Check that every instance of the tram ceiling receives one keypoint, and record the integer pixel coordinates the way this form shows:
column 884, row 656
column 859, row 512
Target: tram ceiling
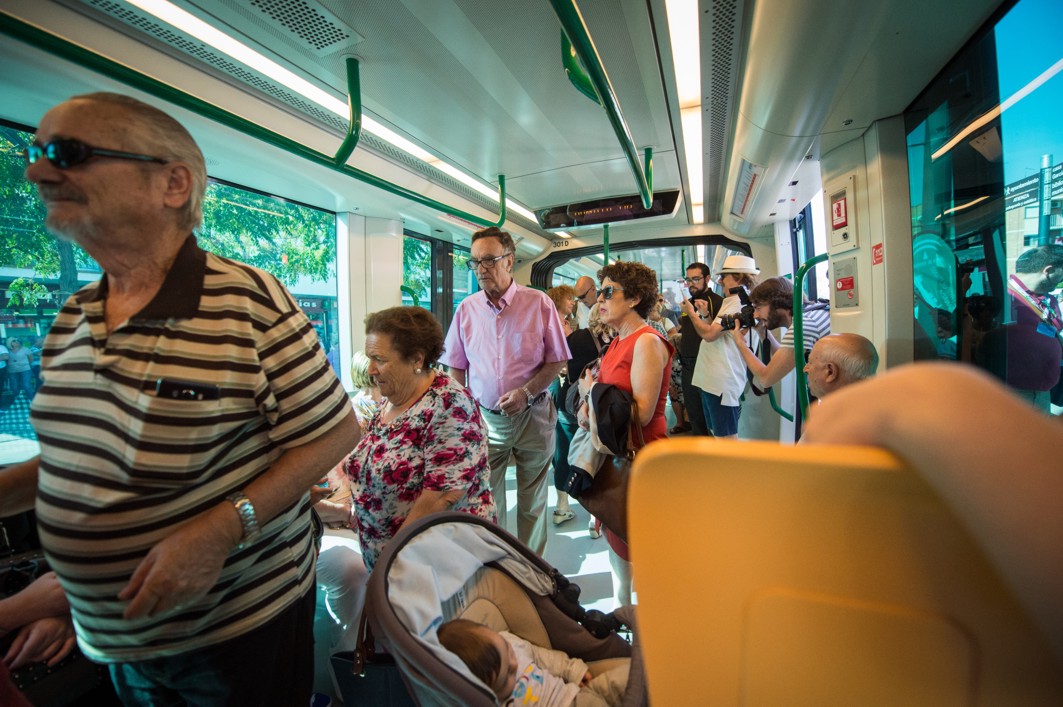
column 480, row 84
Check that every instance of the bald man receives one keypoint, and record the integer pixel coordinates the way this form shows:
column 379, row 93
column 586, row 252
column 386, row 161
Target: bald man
column 838, row 360
column 585, row 299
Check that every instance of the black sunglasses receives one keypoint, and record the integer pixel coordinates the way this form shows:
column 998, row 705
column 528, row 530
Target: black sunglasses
column 607, row 292
column 68, row 153
column 579, row 297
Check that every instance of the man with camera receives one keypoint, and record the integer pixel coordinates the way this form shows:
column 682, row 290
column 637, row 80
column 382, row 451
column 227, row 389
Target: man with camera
column 720, row 371
column 698, row 282
column 773, row 307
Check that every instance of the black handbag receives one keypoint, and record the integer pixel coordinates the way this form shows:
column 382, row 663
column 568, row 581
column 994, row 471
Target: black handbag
column 366, row 677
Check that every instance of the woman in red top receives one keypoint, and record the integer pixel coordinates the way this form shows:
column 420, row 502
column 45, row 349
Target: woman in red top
column 639, row 360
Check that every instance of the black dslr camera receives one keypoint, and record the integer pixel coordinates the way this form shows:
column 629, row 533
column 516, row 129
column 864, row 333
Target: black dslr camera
column 744, row 319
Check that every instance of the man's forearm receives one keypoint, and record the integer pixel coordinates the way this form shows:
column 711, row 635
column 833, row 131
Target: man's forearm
column 544, row 377
column 292, row 474
column 18, row 487
column 459, row 376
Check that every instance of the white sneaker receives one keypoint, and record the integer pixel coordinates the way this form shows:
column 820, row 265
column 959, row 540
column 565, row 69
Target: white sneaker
column 593, row 530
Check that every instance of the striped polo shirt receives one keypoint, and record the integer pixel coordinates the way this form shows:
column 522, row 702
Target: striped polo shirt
column 815, row 324
column 122, row 464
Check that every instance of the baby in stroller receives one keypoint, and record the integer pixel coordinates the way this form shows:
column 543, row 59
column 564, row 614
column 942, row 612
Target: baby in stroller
column 524, row 673
column 456, row 566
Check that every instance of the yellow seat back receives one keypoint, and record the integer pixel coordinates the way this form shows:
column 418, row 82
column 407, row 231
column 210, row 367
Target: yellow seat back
column 810, row 575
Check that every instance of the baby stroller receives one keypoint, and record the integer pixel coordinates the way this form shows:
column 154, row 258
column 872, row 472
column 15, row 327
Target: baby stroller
column 455, row 565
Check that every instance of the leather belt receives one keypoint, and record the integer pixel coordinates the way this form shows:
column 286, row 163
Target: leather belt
column 534, row 401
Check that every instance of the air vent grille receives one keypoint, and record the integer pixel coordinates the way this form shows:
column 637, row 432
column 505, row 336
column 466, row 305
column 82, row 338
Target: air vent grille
column 724, row 21
column 203, row 53
column 305, row 22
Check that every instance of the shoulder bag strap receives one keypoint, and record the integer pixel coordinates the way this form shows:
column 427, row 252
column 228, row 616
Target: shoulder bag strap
column 363, row 649
column 635, row 432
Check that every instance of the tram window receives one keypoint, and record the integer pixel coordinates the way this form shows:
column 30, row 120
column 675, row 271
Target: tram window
column 293, row 242
column 464, row 280
column 986, row 184
column 416, row 272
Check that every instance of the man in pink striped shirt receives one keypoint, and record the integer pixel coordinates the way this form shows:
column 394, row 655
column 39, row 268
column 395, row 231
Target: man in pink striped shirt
column 507, row 344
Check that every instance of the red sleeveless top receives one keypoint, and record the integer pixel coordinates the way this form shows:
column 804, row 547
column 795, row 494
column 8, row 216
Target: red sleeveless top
column 616, row 370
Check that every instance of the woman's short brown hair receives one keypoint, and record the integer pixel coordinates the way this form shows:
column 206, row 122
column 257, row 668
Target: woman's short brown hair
column 413, row 330
column 638, row 281
column 561, row 295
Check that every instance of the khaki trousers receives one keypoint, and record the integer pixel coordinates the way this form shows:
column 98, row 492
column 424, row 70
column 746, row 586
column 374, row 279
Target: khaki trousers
column 529, row 437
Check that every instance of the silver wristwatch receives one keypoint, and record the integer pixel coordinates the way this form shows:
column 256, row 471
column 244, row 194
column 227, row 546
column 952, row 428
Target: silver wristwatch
column 248, row 519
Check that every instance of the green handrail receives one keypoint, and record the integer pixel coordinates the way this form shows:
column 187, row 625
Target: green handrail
column 575, row 71
column 71, row 52
column 775, row 405
column 605, row 244
column 573, row 25
column 412, row 293
column 799, row 331
column 354, row 104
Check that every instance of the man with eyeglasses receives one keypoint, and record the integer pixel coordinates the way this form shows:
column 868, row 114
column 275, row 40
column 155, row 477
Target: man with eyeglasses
column 507, row 344
column 699, row 285
column 186, row 410
column 585, row 299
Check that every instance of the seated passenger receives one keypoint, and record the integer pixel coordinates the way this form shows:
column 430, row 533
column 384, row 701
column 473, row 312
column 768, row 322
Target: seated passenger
column 341, row 574
column 838, row 360
column 425, row 449
column 773, row 301
column 40, row 615
column 991, row 456
column 520, row 672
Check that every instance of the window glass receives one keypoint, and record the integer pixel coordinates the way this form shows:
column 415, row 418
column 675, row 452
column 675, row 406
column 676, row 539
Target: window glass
column 464, row 280
column 986, row 176
column 38, row 273
column 294, row 243
column 416, row 272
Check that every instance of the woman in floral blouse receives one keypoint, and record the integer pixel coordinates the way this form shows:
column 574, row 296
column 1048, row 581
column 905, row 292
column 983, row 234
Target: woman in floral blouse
column 425, row 449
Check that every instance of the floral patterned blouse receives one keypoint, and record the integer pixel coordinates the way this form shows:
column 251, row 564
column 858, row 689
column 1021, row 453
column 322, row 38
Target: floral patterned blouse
column 438, row 444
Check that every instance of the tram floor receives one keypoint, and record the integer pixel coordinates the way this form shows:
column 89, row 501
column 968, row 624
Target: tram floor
column 570, row 548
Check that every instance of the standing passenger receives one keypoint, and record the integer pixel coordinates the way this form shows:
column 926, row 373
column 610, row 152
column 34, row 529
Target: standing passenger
column 564, row 299
column 585, row 299
column 720, row 372
column 186, row 410
column 698, row 283
column 507, row 345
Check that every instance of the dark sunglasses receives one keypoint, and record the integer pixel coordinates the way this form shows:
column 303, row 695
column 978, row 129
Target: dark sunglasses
column 607, row 292
column 68, row 153
column 579, row 297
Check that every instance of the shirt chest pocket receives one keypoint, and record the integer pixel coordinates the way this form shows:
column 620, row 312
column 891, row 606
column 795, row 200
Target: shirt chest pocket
column 528, row 346
column 176, row 440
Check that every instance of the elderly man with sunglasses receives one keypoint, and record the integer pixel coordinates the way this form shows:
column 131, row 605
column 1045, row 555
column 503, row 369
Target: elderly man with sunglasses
column 186, row 409
column 585, row 300
column 507, row 344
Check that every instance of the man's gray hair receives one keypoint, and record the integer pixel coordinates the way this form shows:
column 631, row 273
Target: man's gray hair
column 854, row 355
column 165, row 138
